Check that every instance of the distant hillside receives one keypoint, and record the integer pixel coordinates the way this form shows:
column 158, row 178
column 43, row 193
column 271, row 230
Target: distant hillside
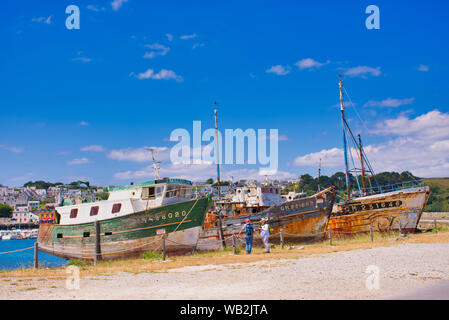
column 439, row 194
column 441, row 182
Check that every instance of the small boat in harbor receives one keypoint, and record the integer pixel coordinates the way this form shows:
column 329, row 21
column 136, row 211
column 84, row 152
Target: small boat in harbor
column 133, row 220
column 383, row 208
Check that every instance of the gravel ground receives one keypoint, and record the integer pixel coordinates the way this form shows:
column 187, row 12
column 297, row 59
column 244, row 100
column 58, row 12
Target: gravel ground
column 340, row 275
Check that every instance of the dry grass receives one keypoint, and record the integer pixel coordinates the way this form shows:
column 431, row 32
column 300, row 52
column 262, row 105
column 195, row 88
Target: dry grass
column 227, row 257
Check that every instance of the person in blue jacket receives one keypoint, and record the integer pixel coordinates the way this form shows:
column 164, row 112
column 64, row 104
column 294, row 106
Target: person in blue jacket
column 249, row 231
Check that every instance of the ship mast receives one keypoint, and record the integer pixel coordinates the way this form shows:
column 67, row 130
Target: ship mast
column 155, row 163
column 361, row 161
column 216, row 150
column 319, row 175
column 345, row 149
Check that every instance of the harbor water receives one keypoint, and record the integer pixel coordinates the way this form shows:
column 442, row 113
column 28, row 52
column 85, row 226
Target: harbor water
column 25, row 259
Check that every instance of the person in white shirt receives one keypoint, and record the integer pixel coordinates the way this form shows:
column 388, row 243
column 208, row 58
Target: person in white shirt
column 265, row 234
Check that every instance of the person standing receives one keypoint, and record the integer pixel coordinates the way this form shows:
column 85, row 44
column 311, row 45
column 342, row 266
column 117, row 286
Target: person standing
column 249, row 231
column 265, row 234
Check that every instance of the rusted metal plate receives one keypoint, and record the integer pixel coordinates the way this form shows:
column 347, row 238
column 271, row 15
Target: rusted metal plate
column 384, row 212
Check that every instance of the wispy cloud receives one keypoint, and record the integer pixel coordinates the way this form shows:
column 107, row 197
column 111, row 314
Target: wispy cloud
column 391, row 103
column 188, row 36
column 96, row 148
column 409, row 143
column 95, row 8
column 138, row 154
column 78, row 161
column 363, row 71
column 161, row 75
column 157, row 50
column 279, row 70
column 117, row 4
column 83, row 123
column 423, row 68
column 42, row 20
column 11, row 149
column 169, row 36
column 81, row 58
column 197, row 45
column 309, row 63
column 22, row 178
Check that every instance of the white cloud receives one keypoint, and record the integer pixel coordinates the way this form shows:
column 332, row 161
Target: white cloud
column 423, row 68
column 331, row 158
column 419, row 145
column 200, row 172
column 309, row 63
column 197, row 45
column 42, row 20
column 11, row 149
column 95, row 148
column 362, row 71
column 157, row 50
column 188, row 36
column 279, row 70
column 161, row 75
column 117, row 4
column 95, row 8
column 139, row 154
column 78, row 161
column 83, row 123
column 169, row 37
column 392, row 103
column 429, row 126
column 25, row 177
column 82, row 59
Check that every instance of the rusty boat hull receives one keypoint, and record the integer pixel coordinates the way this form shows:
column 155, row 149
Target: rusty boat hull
column 130, row 235
column 391, row 211
column 301, row 221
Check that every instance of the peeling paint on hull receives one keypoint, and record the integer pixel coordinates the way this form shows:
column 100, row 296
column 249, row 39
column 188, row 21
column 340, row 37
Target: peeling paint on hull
column 302, row 220
column 130, row 235
column 385, row 212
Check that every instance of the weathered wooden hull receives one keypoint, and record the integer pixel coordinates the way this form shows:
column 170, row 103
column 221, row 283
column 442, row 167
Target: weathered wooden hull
column 301, row 220
column 129, row 235
column 384, row 212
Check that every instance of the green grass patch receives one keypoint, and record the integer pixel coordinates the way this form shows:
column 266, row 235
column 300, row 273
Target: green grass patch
column 78, row 263
column 152, row 255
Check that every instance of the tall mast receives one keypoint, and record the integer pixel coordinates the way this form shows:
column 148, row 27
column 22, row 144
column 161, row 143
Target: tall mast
column 155, row 163
column 361, row 161
column 345, row 149
column 319, row 175
column 217, row 152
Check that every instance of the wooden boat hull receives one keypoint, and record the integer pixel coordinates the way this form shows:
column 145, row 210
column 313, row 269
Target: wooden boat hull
column 129, row 235
column 390, row 211
column 302, row 220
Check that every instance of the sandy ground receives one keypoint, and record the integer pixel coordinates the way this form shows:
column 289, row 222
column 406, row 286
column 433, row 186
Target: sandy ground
column 339, row 275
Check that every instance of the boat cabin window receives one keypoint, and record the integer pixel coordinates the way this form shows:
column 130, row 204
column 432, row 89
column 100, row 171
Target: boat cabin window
column 94, row 210
column 172, row 191
column 148, row 193
column 73, row 213
column 116, row 207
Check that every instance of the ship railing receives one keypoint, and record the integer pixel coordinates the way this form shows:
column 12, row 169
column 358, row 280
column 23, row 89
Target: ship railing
column 392, row 187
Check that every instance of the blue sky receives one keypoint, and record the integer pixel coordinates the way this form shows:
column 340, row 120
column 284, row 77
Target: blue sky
column 81, row 104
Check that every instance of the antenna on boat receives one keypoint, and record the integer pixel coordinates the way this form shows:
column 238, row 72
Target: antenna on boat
column 155, row 163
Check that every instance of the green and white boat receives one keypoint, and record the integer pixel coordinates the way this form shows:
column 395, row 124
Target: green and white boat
column 133, row 220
